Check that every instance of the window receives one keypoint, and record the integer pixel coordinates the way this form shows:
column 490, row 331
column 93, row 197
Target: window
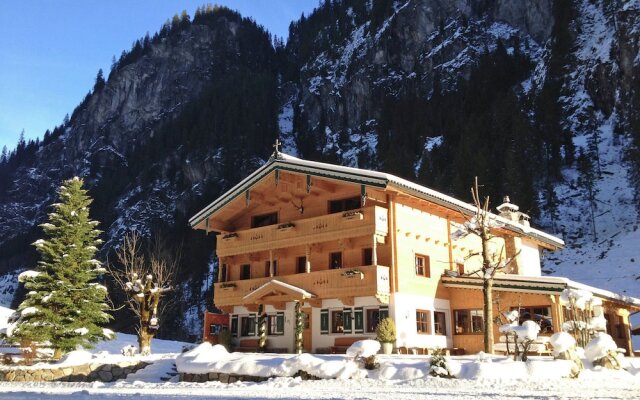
column 335, row 260
column 248, row 326
column 245, row 271
column 367, row 256
column 423, row 323
column 468, row 321
column 214, row 329
column 275, row 324
column 301, row 265
column 234, row 325
column 223, row 273
column 267, row 268
column 460, row 267
column 422, row 266
column 373, row 318
column 539, row 314
column 264, row 220
column 439, row 323
column 337, row 321
column 351, row 203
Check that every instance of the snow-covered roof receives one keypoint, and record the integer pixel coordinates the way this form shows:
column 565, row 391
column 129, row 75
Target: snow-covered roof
column 285, row 162
column 545, row 284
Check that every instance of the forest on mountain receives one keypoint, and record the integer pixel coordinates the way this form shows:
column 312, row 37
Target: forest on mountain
column 347, row 71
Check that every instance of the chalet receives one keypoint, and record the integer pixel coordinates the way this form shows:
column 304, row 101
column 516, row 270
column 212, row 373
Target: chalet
column 349, row 247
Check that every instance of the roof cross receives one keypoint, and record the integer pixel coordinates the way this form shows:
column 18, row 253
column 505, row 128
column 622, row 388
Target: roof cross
column 277, row 145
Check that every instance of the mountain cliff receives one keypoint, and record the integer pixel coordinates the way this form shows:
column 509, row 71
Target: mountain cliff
column 539, row 99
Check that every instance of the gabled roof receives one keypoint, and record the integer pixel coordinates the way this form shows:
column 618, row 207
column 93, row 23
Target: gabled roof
column 276, row 286
column 541, row 284
column 285, row 162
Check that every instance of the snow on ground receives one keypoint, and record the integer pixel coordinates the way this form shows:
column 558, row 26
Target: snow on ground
column 592, row 384
column 401, row 377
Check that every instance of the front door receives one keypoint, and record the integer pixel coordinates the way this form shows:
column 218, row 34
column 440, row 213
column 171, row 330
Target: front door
column 306, row 331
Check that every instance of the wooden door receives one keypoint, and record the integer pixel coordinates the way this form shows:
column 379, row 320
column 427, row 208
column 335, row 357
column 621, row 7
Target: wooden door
column 306, row 332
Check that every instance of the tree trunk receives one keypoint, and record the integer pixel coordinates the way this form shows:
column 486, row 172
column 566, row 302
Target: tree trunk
column 487, row 291
column 144, row 340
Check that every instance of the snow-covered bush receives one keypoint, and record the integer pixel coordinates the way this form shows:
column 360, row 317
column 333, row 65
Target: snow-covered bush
column 602, row 350
column 365, row 351
column 439, row 365
column 564, row 348
column 129, row 350
column 586, row 316
column 523, row 336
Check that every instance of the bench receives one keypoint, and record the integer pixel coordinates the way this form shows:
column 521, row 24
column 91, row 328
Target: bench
column 540, row 346
column 341, row 344
column 253, row 346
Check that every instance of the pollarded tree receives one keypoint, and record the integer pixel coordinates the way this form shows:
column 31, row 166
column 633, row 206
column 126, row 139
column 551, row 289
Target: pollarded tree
column 64, row 304
column 145, row 279
column 483, row 225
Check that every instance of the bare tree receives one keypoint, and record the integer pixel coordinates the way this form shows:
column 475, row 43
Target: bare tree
column 144, row 279
column 482, row 224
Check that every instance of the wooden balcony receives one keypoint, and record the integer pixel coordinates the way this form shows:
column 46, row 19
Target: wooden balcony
column 345, row 284
column 355, row 223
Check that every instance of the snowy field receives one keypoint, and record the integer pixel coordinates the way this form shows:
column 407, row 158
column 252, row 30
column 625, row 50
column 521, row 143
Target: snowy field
column 493, row 379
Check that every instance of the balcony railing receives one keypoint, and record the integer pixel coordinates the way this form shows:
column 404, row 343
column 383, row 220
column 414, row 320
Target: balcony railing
column 371, row 280
column 354, row 223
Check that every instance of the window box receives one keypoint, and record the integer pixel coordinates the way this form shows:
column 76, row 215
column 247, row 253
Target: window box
column 289, row 226
column 352, row 215
column 353, row 273
column 230, row 236
column 228, row 286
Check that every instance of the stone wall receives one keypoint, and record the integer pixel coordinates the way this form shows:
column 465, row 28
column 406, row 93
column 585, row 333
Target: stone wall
column 220, row 377
column 231, row 378
column 78, row 373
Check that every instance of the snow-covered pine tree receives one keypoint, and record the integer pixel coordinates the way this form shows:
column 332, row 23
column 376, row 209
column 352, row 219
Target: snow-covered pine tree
column 64, row 304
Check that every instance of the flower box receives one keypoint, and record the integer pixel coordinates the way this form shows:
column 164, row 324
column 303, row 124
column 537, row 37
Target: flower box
column 352, row 215
column 230, row 236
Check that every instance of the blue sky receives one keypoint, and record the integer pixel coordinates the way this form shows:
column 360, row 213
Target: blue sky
column 51, row 50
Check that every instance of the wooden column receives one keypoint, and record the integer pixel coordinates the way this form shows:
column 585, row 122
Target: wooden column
column 220, row 262
column 374, row 251
column 307, row 256
column 271, row 263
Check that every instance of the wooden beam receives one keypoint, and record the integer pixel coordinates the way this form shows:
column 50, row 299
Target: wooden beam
column 280, row 306
column 252, row 307
column 315, row 303
column 348, row 301
column 226, row 309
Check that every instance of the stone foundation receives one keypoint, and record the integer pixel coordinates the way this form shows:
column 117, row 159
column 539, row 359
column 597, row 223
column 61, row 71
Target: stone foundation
column 76, row 373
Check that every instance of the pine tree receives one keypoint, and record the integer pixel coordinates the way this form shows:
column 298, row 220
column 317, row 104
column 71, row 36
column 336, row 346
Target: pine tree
column 65, row 305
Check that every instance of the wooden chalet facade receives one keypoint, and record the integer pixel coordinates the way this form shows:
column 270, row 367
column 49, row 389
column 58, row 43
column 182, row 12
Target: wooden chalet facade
column 353, row 246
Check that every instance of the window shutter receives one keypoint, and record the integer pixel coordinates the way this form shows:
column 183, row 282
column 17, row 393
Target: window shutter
column 384, row 312
column 358, row 320
column 324, row 321
column 427, row 267
column 234, row 325
column 280, row 323
column 346, row 315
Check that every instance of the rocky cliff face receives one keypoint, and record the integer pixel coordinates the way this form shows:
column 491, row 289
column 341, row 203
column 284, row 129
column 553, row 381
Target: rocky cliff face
column 370, row 84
